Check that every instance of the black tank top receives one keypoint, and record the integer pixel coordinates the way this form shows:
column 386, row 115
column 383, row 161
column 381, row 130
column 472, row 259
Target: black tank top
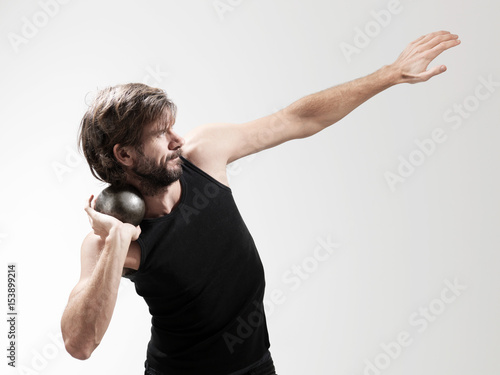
column 203, row 280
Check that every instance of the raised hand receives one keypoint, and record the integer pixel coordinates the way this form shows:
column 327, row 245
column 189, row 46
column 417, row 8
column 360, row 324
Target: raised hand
column 103, row 224
column 413, row 62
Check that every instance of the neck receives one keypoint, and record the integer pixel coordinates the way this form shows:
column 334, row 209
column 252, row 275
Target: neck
column 163, row 203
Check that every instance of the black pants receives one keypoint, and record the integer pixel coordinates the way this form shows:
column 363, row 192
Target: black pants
column 265, row 366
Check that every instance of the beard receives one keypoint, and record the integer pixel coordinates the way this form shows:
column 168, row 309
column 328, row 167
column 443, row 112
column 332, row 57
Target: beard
column 156, row 178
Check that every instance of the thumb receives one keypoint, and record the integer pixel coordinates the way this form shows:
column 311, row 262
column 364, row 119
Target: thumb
column 432, row 72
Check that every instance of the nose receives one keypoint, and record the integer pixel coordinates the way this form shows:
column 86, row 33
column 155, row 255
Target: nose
column 176, row 141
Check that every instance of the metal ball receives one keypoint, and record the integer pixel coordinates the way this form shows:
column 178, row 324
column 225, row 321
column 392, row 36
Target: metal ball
column 125, row 203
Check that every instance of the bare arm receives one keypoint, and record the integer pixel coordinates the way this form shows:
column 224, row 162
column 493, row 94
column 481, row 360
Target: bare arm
column 92, row 301
column 222, row 143
column 326, row 107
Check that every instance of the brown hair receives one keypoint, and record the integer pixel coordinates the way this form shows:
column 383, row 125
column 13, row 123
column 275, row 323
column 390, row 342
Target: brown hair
column 118, row 116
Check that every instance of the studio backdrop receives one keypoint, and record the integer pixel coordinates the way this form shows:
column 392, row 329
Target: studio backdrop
column 379, row 235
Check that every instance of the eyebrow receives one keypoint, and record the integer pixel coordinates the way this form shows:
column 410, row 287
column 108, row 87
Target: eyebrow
column 161, row 128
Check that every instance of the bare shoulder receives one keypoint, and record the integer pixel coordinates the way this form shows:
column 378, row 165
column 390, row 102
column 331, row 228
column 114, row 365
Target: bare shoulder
column 212, row 146
column 204, row 148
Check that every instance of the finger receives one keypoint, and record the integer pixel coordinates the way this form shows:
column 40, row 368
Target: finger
column 436, row 41
column 90, row 212
column 89, row 201
column 89, row 209
column 87, row 204
column 432, row 72
column 431, row 36
column 441, row 47
column 418, row 40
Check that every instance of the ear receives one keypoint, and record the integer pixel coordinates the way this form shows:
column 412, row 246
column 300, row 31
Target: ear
column 124, row 155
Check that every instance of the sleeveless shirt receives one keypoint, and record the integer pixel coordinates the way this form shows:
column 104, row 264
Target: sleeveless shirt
column 203, row 281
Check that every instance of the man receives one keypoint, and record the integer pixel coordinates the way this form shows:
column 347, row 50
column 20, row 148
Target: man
column 192, row 258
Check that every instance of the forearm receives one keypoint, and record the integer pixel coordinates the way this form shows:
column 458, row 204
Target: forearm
column 90, row 308
column 326, row 107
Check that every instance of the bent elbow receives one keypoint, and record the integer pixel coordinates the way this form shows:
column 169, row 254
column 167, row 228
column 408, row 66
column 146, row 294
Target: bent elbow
column 78, row 351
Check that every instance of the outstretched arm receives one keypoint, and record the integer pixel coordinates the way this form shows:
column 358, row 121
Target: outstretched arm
column 223, row 143
column 329, row 106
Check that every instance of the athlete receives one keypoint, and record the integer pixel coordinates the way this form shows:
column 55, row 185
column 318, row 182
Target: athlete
column 192, row 257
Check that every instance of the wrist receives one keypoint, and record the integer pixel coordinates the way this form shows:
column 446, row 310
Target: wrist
column 391, row 75
column 119, row 233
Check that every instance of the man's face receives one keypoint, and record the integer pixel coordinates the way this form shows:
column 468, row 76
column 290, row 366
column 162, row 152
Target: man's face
column 157, row 163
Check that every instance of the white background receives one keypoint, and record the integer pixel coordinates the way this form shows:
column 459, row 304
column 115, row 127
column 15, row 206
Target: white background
column 397, row 249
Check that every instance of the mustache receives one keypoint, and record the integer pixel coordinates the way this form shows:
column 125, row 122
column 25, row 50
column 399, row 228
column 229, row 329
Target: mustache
column 176, row 154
